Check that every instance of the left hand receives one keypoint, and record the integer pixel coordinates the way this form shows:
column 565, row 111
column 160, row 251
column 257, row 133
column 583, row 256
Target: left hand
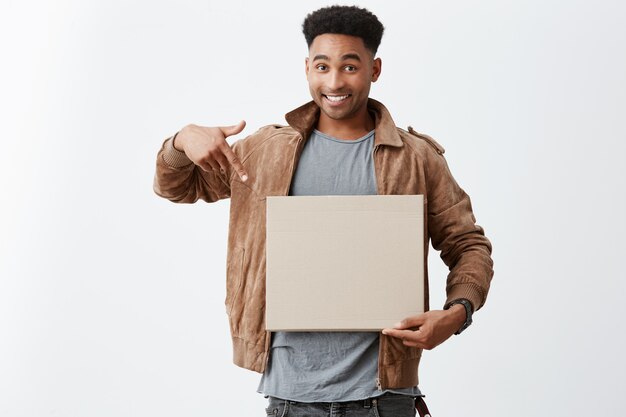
column 430, row 329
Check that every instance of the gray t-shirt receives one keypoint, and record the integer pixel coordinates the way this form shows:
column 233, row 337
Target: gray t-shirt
column 328, row 366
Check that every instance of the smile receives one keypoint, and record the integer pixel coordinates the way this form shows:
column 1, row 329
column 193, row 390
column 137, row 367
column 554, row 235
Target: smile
column 336, row 99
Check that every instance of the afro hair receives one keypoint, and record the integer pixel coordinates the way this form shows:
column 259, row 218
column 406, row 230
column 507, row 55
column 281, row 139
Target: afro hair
column 344, row 20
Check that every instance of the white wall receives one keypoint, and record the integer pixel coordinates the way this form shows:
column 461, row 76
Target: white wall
column 111, row 299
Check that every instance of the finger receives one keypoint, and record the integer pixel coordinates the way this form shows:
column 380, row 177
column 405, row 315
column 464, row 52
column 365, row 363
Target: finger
column 213, row 165
column 413, row 321
column 222, row 161
column 408, row 337
column 400, row 334
column 205, row 166
column 235, row 162
column 234, row 129
column 412, row 344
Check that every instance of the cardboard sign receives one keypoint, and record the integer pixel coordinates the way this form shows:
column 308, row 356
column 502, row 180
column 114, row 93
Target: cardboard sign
column 344, row 263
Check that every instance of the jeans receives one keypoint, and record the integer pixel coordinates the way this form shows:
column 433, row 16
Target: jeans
column 387, row 405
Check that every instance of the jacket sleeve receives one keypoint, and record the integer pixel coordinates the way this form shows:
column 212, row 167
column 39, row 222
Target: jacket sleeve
column 453, row 231
column 181, row 181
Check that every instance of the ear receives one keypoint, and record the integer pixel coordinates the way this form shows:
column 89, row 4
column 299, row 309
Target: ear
column 306, row 67
column 377, row 67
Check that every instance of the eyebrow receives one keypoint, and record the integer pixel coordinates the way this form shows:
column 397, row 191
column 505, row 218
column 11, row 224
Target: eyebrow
column 345, row 57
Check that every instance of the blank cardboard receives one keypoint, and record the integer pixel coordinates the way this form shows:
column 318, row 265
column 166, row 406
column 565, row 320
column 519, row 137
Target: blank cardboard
column 343, row 263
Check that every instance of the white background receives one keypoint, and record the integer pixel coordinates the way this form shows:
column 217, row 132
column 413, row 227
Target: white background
column 111, row 299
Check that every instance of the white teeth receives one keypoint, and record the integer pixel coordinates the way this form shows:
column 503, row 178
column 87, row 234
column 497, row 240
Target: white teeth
column 337, row 98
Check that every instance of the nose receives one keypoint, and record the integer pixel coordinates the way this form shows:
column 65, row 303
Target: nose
column 335, row 81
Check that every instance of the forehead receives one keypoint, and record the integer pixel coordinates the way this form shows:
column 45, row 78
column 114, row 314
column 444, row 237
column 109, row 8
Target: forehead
column 335, row 46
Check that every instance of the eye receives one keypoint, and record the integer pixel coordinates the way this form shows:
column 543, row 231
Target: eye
column 321, row 67
column 350, row 68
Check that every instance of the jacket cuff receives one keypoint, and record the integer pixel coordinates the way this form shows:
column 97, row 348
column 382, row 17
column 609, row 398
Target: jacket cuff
column 471, row 292
column 172, row 156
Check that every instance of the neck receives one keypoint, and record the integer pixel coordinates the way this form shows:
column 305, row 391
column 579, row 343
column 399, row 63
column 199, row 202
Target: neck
column 347, row 129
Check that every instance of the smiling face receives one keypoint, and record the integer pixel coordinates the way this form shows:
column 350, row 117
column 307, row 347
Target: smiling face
column 340, row 70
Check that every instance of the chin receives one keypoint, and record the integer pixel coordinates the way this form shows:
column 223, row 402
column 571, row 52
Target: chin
column 336, row 115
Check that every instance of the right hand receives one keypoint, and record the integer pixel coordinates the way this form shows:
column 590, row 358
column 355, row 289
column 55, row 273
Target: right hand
column 208, row 149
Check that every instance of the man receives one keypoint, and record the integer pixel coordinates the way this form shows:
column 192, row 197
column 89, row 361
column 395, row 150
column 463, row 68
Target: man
column 342, row 142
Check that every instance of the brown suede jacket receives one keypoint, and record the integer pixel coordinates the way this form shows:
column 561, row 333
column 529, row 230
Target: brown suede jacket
column 405, row 163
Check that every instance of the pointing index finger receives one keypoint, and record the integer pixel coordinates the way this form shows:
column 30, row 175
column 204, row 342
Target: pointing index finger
column 235, row 163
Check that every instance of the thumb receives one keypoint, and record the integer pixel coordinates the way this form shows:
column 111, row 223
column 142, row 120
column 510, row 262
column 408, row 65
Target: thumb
column 234, row 129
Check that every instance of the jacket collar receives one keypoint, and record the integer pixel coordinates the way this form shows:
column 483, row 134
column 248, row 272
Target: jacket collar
column 304, row 118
